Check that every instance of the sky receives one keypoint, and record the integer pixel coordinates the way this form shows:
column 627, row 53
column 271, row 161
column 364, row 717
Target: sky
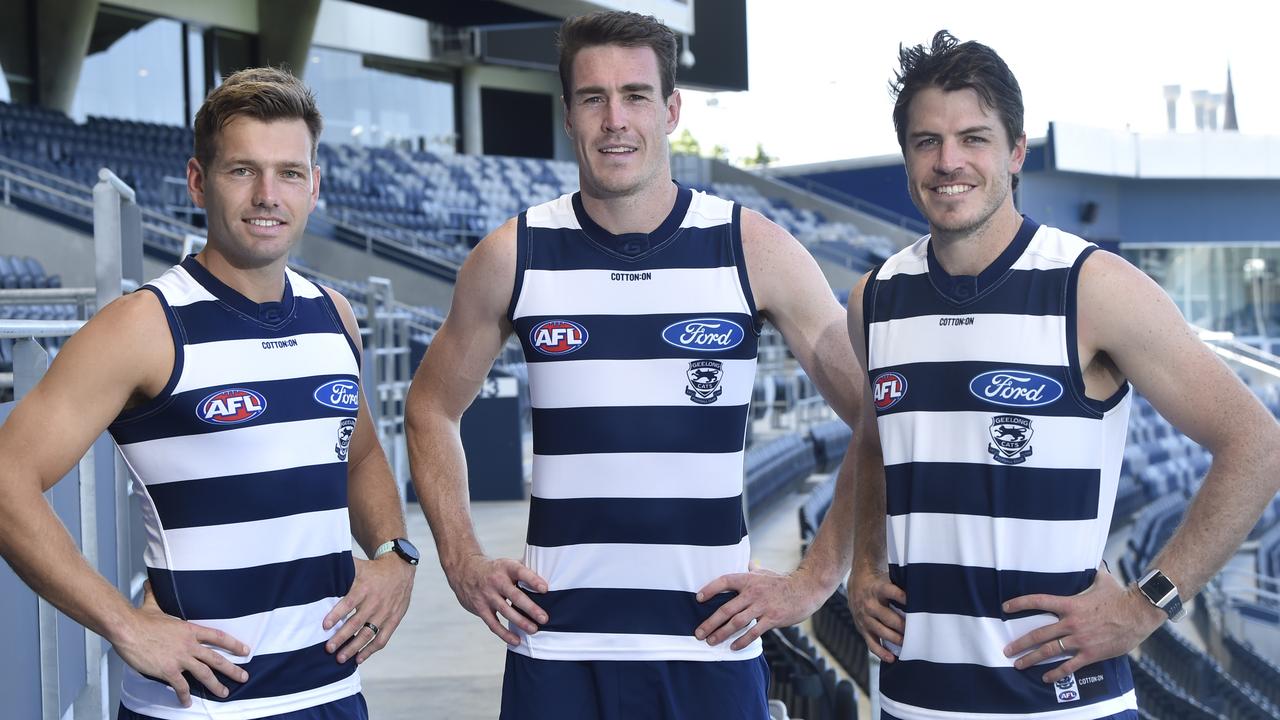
column 819, row 69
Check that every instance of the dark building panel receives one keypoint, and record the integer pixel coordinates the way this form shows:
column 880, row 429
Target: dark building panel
column 517, row 123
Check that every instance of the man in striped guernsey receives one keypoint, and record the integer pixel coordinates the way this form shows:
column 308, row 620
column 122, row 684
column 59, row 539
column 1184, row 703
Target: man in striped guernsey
column 231, row 385
column 638, row 303
column 1000, row 354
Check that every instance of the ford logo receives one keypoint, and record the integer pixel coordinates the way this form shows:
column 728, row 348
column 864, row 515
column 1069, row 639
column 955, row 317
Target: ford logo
column 339, row 395
column 704, row 334
column 1015, row 388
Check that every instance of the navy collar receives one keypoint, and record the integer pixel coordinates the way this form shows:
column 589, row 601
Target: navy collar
column 634, row 246
column 962, row 289
column 271, row 314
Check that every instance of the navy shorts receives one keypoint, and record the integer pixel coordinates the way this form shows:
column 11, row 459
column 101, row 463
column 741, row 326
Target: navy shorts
column 348, row 708
column 634, row 690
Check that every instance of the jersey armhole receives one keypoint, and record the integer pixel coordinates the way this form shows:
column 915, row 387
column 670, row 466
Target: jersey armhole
column 336, row 316
column 1074, row 370
column 740, row 261
column 523, row 249
column 178, row 335
column 868, row 303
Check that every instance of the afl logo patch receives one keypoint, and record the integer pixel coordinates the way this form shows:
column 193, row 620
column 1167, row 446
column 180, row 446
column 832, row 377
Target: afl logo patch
column 888, row 389
column 557, row 337
column 231, row 406
column 339, row 395
column 1015, row 388
column 704, row 334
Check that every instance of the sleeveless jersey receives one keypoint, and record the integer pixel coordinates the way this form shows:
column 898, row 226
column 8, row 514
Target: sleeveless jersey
column 1000, row 475
column 641, row 351
column 240, row 468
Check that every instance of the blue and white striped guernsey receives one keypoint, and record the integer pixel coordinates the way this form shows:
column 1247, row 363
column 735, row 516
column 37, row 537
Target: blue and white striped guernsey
column 1000, row 474
column 240, row 465
column 642, row 353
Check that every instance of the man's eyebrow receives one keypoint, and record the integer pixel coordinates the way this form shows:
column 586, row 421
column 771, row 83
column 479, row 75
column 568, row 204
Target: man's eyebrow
column 599, row 90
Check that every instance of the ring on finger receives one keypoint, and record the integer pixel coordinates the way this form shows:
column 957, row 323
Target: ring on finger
column 372, row 627
column 1063, row 647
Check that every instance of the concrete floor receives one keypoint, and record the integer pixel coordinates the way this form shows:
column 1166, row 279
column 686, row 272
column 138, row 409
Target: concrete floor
column 444, row 663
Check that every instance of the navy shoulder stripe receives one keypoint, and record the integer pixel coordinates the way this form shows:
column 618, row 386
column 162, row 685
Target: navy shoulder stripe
column 570, row 249
column 1025, row 292
column 212, row 321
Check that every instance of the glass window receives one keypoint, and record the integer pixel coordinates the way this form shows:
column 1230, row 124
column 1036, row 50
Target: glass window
column 374, row 107
column 138, row 77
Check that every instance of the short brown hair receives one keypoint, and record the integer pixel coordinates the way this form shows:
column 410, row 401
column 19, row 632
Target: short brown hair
column 623, row 28
column 264, row 94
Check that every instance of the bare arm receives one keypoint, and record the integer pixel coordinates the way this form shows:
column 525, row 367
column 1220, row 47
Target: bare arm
column 122, row 355
column 870, row 590
column 452, row 373
column 382, row 588
column 1130, row 328
column 791, row 292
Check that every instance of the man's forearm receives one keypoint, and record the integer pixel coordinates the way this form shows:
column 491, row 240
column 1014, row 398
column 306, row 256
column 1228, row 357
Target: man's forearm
column 831, row 552
column 439, row 467
column 374, row 501
column 869, row 532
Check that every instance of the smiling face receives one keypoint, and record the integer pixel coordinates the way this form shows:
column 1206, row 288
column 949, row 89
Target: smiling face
column 959, row 161
column 619, row 121
column 257, row 190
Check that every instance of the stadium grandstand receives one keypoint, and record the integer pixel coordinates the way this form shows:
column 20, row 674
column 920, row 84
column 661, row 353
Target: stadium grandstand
column 419, row 164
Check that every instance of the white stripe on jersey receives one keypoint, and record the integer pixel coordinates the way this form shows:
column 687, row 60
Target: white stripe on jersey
column 707, row 211
column 550, row 645
column 657, row 382
column 313, row 355
column 292, row 628
column 686, row 568
column 187, row 457
column 963, row 437
column 966, row 640
column 1039, row 340
column 553, row 215
column 180, row 289
column 672, row 290
column 637, row 475
column 157, row 700
column 1102, row 708
column 259, row 542
column 1061, row 545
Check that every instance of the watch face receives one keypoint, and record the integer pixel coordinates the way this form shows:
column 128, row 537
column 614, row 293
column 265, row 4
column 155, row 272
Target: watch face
column 406, row 550
column 1157, row 587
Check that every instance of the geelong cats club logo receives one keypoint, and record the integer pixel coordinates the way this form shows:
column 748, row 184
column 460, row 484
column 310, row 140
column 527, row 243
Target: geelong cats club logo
column 704, row 381
column 345, row 430
column 1010, row 439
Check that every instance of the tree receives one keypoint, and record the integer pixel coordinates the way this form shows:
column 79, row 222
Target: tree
column 761, row 159
column 686, row 144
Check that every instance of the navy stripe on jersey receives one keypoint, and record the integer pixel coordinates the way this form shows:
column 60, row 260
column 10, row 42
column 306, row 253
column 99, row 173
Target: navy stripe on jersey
column 278, row 674
column 977, row 591
column 915, row 296
column 658, row 429
column 555, row 249
column 636, row 337
column 202, row 594
column 304, row 407
column 245, row 498
column 985, row 690
column 1010, row 491
column 629, row 247
column 625, row 610
column 214, row 322
column 655, row 521
column 268, row 315
column 947, row 387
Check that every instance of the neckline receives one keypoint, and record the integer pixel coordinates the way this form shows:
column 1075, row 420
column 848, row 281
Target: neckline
column 962, row 289
column 634, row 246
column 270, row 314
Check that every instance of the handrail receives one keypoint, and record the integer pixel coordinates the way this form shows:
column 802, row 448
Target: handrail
column 47, row 295
column 38, row 328
column 1225, row 344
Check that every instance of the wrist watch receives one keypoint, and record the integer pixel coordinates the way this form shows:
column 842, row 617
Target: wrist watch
column 1161, row 592
column 401, row 547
